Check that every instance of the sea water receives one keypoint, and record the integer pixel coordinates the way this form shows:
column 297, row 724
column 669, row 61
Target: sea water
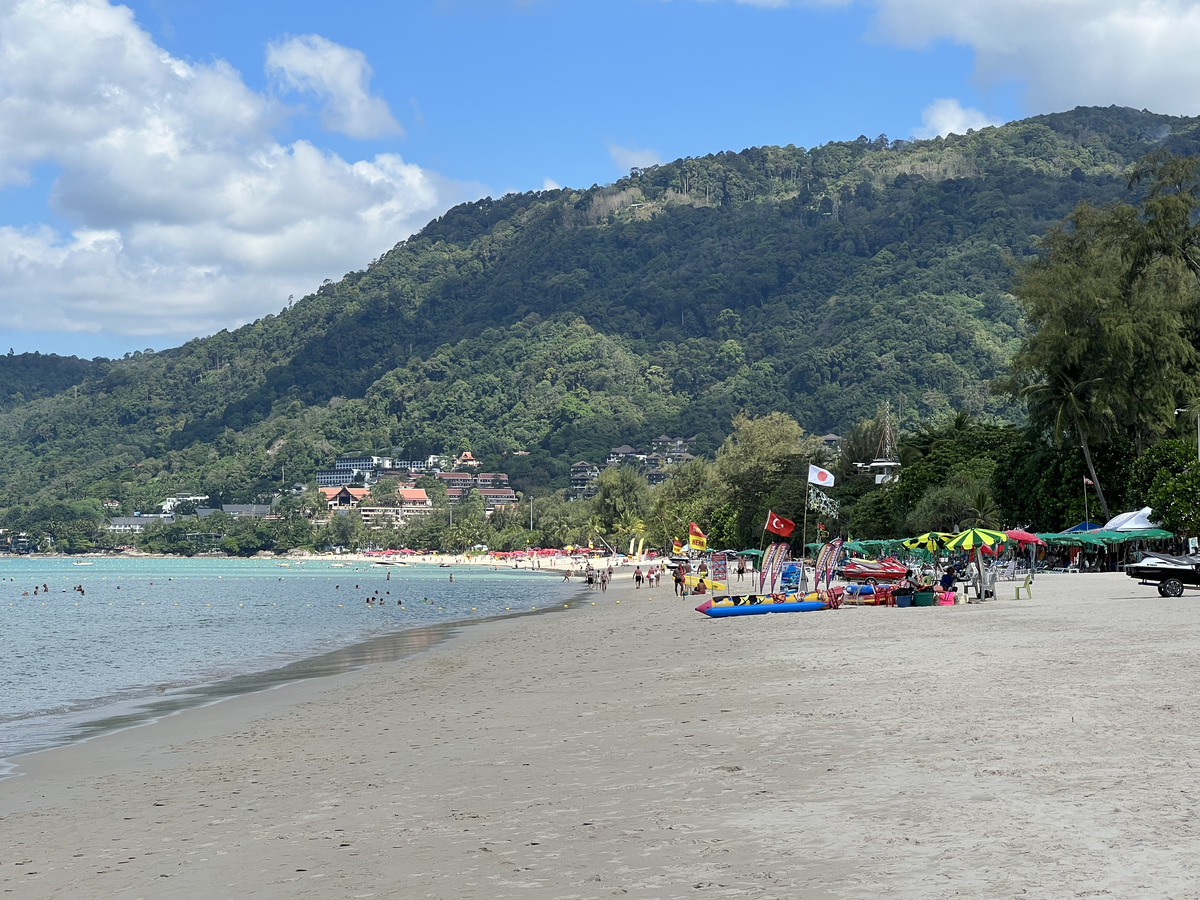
column 146, row 637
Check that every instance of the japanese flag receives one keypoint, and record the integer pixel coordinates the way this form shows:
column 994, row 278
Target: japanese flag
column 817, row 475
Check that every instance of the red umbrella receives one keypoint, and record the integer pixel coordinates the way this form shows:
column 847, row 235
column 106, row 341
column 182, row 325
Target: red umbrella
column 1024, row 537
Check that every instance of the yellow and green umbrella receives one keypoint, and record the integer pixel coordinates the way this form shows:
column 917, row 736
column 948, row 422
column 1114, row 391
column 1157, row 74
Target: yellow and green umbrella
column 928, row 544
column 930, row 541
column 976, row 539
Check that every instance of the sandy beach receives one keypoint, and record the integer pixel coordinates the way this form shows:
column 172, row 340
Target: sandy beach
column 1040, row 747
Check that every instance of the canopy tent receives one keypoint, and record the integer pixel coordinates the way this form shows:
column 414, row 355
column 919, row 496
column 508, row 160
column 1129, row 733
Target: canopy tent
column 1136, row 520
column 1076, row 539
column 881, row 546
column 1117, row 536
column 1082, row 526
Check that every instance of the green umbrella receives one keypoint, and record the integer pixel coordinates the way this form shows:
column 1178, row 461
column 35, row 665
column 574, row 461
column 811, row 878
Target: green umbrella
column 976, row 539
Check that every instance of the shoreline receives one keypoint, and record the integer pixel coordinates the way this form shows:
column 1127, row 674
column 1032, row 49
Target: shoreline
column 89, row 722
column 1015, row 746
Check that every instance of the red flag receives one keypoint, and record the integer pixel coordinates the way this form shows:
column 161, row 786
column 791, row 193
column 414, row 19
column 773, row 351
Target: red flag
column 779, row 525
column 1088, row 481
column 676, row 545
column 696, row 538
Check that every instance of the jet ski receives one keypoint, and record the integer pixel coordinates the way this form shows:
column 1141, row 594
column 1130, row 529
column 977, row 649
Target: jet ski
column 1169, row 573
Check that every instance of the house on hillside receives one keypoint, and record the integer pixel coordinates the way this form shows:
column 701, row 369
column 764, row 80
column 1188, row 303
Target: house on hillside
column 414, row 502
column 247, row 510
column 349, row 468
column 461, row 480
column 343, row 497
column 467, row 461
column 495, row 497
column 136, row 524
column 168, row 505
column 623, row 455
column 583, row 479
column 665, row 445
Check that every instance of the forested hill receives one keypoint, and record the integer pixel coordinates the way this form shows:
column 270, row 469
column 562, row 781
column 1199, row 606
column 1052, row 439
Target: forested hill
column 817, row 282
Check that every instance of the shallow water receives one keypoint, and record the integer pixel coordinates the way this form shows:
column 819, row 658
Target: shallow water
column 149, row 636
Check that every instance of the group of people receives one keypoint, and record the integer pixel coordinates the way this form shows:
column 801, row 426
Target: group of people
column 652, row 577
column 596, row 578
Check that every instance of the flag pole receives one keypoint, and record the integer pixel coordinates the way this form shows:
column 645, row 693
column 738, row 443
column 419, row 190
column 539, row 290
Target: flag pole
column 1087, row 521
column 804, row 544
column 804, row 528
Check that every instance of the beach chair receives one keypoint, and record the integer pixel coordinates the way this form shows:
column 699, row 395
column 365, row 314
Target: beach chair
column 1027, row 587
column 1009, row 571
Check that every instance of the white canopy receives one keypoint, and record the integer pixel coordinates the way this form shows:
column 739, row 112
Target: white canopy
column 1138, row 520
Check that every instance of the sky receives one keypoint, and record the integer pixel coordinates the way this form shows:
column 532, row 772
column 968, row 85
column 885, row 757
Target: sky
column 170, row 168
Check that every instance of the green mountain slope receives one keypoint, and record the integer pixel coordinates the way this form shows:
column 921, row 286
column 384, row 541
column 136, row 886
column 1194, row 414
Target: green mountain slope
column 816, row 282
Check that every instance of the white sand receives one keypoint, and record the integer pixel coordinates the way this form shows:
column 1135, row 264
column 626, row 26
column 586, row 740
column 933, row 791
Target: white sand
column 1036, row 748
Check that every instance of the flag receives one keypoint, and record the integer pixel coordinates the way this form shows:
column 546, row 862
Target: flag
column 696, row 538
column 676, row 545
column 779, row 525
column 822, row 502
column 817, row 475
column 1087, row 481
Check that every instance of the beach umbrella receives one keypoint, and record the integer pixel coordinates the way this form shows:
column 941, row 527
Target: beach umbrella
column 975, row 539
column 930, row 542
column 1026, row 539
column 1023, row 537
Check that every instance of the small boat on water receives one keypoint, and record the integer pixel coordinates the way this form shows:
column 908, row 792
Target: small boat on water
column 81, row 562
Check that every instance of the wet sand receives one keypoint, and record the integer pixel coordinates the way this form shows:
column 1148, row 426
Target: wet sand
column 1040, row 747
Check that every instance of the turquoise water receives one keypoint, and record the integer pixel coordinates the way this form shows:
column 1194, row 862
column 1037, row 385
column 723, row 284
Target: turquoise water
column 148, row 636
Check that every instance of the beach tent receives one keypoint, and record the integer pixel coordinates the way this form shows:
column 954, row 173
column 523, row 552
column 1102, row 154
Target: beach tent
column 1137, row 520
column 1116, row 536
column 1082, row 526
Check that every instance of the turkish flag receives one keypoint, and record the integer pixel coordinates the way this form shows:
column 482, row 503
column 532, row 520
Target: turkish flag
column 779, row 525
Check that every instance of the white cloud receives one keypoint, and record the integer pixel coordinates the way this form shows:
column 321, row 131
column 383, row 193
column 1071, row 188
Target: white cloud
column 549, row 184
column 339, row 76
column 948, row 116
column 1067, row 53
column 186, row 216
column 627, row 158
column 1063, row 53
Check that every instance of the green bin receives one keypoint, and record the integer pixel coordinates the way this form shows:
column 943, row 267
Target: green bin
column 924, row 599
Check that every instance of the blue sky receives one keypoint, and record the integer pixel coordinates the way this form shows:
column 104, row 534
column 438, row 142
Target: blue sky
column 170, row 168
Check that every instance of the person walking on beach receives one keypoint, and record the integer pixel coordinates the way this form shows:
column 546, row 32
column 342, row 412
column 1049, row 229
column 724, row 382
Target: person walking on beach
column 603, row 581
column 637, row 577
column 680, row 590
column 741, row 568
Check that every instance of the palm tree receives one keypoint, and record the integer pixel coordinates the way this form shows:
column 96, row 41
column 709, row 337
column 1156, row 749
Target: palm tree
column 1070, row 406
